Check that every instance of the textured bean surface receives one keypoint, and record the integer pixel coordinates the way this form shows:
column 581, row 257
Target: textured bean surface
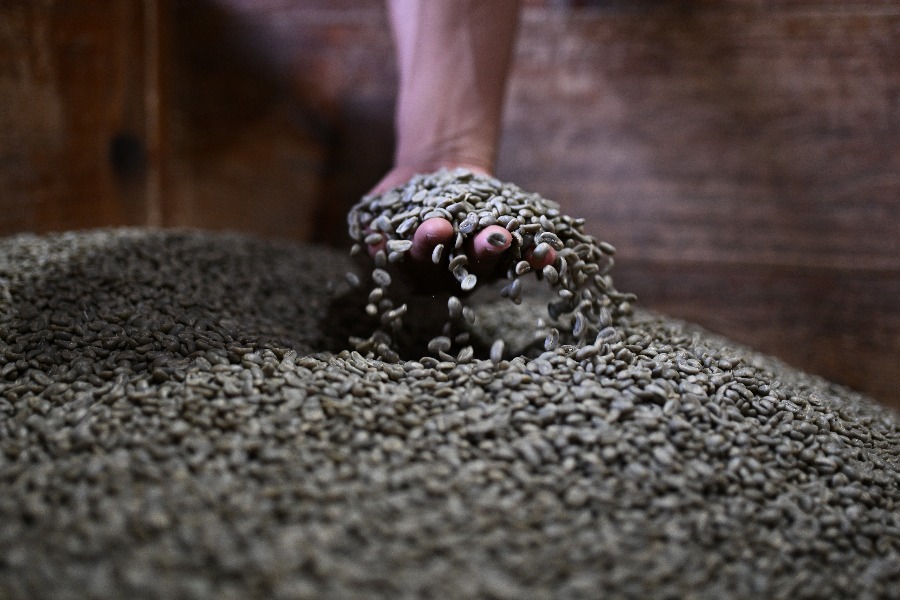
column 179, row 419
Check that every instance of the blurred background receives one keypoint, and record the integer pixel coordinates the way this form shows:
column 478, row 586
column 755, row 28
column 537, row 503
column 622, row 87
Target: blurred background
column 742, row 155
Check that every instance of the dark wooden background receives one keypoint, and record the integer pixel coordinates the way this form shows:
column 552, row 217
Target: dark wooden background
column 743, row 155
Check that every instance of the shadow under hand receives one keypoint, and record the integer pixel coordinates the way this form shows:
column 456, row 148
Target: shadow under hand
column 522, row 327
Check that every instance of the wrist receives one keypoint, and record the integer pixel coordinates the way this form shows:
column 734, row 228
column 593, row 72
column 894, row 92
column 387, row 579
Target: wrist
column 430, row 165
column 401, row 173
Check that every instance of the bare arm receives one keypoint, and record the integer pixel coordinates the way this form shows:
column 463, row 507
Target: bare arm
column 453, row 57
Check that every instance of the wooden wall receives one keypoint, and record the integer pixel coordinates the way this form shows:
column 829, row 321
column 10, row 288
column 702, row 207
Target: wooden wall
column 80, row 114
column 743, row 155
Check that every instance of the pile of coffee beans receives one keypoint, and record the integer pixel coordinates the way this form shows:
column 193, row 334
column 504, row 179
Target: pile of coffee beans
column 586, row 300
column 181, row 417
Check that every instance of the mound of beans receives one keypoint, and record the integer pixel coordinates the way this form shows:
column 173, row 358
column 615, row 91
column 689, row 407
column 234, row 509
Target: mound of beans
column 181, row 416
column 586, row 301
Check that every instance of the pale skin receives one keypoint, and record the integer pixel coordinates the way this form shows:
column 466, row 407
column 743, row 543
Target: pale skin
column 453, row 57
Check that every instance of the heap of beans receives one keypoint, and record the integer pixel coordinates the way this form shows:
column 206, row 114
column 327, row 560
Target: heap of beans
column 586, row 301
column 180, row 418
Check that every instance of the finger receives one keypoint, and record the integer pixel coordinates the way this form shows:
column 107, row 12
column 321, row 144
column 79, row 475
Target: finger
column 540, row 256
column 428, row 235
column 486, row 248
column 375, row 247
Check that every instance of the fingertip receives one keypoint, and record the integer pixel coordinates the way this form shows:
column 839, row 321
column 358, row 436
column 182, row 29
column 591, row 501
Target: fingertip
column 491, row 241
column 434, row 230
column 374, row 248
column 429, row 234
column 486, row 247
column 539, row 262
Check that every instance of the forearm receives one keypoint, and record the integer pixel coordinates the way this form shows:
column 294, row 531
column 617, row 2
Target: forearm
column 453, row 58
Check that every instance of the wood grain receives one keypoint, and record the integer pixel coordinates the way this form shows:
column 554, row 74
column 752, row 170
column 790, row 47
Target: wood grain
column 75, row 85
column 275, row 126
column 744, row 160
column 764, row 136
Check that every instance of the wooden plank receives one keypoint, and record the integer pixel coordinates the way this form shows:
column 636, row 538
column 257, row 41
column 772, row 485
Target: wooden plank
column 74, row 114
column 269, row 117
column 715, row 134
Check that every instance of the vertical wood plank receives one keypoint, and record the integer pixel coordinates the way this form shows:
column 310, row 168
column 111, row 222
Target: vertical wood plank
column 246, row 154
column 73, row 93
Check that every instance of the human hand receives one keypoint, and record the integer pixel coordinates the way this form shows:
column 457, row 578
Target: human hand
column 425, row 262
